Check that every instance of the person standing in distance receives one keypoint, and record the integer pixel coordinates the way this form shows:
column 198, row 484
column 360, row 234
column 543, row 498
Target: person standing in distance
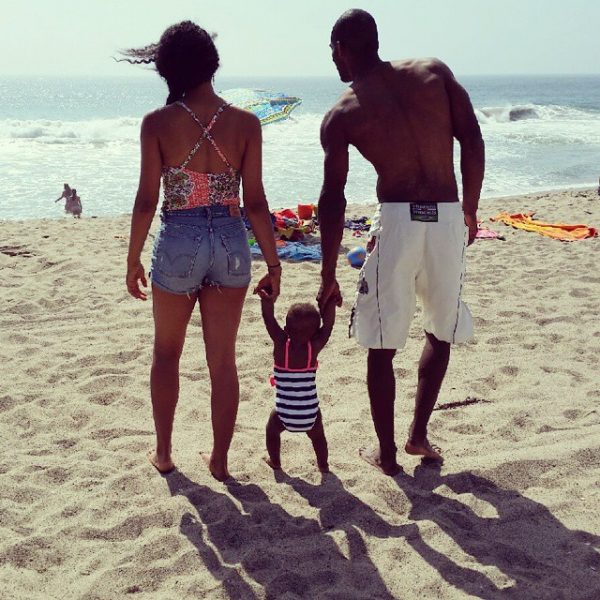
column 402, row 116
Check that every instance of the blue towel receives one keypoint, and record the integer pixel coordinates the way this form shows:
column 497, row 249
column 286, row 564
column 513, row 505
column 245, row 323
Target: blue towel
column 295, row 251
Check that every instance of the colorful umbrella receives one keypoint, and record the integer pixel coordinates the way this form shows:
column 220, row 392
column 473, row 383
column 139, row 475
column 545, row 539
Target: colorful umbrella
column 269, row 107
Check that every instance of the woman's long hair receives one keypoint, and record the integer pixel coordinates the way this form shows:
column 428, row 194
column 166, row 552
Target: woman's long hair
column 185, row 56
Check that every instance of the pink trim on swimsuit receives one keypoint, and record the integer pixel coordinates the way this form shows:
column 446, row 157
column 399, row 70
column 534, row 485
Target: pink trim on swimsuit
column 287, row 362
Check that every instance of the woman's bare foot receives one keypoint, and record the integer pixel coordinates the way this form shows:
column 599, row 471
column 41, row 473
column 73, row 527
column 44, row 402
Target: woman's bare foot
column 272, row 464
column 163, row 466
column 373, row 457
column 219, row 472
column 424, row 449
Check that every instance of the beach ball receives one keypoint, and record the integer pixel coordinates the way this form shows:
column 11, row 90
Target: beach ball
column 356, row 257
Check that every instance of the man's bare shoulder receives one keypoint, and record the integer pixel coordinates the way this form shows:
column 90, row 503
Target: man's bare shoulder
column 422, row 67
column 337, row 116
column 345, row 103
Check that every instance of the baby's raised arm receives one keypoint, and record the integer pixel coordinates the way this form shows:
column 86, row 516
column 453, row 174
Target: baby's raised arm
column 268, row 314
column 328, row 316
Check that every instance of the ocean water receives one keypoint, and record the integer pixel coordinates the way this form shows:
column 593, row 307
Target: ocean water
column 541, row 133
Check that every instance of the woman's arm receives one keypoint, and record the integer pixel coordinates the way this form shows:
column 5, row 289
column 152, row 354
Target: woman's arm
column 145, row 205
column 274, row 330
column 257, row 208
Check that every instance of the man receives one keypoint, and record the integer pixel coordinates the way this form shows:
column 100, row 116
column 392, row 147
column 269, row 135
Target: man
column 402, row 117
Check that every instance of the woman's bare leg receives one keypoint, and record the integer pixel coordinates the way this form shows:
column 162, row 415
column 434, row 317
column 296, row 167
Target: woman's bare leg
column 221, row 310
column 171, row 317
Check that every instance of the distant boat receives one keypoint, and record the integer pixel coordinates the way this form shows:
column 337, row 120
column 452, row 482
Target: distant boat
column 269, row 107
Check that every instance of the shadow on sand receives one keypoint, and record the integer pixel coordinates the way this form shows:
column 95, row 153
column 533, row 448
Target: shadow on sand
column 243, row 537
column 525, row 542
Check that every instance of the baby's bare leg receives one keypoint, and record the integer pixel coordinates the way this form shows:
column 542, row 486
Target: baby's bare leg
column 319, row 442
column 273, row 437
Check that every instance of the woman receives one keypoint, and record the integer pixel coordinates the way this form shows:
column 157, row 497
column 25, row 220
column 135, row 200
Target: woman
column 202, row 148
column 66, row 194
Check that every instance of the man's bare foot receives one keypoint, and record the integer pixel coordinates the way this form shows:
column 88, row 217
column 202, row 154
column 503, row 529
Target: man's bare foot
column 162, row 466
column 272, row 464
column 373, row 457
column 220, row 473
column 424, row 449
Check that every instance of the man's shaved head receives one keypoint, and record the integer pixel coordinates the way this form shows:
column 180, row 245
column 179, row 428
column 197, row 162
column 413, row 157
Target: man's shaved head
column 356, row 30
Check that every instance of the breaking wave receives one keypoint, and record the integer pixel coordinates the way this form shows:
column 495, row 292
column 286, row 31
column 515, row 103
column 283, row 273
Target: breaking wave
column 522, row 112
column 95, row 131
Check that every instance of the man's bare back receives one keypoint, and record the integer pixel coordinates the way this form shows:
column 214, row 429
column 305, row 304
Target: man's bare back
column 399, row 119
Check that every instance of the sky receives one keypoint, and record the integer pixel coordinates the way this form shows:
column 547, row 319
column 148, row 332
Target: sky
column 290, row 38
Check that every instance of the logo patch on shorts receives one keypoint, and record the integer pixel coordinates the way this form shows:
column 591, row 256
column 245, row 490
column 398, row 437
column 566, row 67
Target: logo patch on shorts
column 427, row 213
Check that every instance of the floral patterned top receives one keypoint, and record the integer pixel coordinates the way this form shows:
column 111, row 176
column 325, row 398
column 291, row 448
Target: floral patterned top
column 184, row 188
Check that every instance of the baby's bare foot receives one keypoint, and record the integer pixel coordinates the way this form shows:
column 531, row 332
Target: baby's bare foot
column 163, row 466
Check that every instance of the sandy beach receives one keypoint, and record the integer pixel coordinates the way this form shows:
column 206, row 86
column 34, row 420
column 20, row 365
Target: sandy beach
column 512, row 513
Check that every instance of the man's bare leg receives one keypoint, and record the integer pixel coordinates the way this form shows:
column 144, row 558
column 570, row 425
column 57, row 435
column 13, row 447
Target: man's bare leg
column 382, row 392
column 273, row 438
column 432, row 369
column 319, row 442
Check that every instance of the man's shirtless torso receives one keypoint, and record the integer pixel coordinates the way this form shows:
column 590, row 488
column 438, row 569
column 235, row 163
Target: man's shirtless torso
column 402, row 117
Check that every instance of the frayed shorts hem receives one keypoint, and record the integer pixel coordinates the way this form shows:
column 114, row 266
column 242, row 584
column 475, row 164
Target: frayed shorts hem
column 196, row 290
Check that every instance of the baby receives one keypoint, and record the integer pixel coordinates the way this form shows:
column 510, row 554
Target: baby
column 295, row 351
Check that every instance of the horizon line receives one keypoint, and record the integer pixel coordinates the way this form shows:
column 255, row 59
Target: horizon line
column 142, row 74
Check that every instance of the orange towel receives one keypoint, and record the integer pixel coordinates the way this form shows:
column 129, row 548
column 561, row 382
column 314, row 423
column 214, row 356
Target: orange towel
column 558, row 231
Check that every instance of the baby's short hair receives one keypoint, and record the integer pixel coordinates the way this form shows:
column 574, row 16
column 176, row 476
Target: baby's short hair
column 303, row 311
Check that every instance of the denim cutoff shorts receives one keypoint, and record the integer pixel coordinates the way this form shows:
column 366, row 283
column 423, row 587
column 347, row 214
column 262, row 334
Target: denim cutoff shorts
column 201, row 246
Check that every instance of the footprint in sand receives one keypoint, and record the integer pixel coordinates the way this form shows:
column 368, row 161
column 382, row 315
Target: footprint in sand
column 509, row 370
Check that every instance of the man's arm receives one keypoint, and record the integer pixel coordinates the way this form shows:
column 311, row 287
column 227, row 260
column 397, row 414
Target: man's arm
column 268, row 314
column 332, row 203
column 472, row 150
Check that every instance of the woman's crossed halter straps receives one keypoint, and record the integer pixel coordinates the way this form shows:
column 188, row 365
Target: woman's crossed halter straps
column 185, row 188
column 205, row 135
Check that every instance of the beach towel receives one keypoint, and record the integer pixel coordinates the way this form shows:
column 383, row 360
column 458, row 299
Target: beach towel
column 485, row 233
column 557, row 231
column 294, row 251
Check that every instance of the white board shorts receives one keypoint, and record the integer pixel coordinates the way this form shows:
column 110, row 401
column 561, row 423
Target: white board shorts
column 410, row 254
